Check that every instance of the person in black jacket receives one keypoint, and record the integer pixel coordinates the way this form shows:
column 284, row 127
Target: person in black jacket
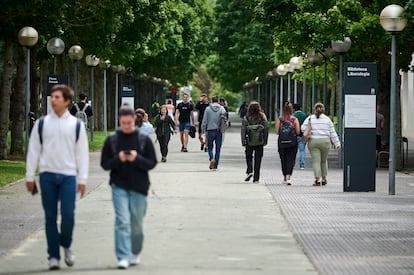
column 128, row 155
column 164, row 125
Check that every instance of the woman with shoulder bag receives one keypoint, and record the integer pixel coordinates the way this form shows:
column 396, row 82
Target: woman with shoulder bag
column 322, row 134
column 288, row 129
column 254, row 135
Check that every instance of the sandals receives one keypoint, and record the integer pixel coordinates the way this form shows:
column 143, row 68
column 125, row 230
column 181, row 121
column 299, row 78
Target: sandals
column 317, row 183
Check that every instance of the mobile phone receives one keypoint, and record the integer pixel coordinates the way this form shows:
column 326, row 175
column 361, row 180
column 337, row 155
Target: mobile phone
column 127, row 152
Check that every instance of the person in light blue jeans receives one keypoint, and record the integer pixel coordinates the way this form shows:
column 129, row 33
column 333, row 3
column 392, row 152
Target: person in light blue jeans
column 301, row 116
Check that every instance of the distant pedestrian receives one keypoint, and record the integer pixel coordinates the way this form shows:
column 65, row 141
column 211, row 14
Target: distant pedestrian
column 82, row 109
column 201, row 106
column 223, row 103
column 170, row 108
column 379, row 127
column 184, row 118
column 129, row 155
column 61, row 174
column 143, row 123
column 301, row 116
column 254, row 135
column 287, row 127
column 322, row 134
column 211, row 125
column 165, row 126
column 243, row 109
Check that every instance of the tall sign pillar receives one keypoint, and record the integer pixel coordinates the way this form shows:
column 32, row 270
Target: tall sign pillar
column 360, row 84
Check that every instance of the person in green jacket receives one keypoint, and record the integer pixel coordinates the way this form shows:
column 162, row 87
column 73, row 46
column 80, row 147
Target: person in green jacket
column 301, row 116
column 164, row 125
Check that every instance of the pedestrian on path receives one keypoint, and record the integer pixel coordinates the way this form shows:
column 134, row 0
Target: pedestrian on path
column 322, row 134
column 211, row 125
column 288, row 129
column 62, row 174
column 184, row 118
column 301, row 116
column 129, row 155
column 201, row 106
column 164, row 128
column 254, row 135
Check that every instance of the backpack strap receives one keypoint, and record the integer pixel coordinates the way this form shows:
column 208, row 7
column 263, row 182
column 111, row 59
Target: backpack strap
column 77, row 107
column 40, row 129
column 84, row 107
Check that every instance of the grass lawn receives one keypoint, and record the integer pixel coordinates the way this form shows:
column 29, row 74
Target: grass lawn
column 13, row 170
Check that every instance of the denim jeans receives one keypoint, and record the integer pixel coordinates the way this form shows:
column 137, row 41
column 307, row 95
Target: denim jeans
column 130, row 208
column 258, row 155
column 302, row 154
column 57, row 187
column 217, row 138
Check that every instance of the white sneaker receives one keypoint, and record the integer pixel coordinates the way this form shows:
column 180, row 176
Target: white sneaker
column 69, row 257
column 288, row 182
column 135, row 260
column 123, row 264
column 53, row 264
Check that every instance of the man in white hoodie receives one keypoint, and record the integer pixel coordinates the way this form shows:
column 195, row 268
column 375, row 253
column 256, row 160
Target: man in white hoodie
column 59, row 145
column 212, row 125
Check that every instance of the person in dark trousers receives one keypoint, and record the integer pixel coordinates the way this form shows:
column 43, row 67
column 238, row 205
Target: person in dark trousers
column 301, row 116
column 164, row 125
column 61, row 174
column 254, row 116
column 287, row 151
column 201, row 106
column 129, row 156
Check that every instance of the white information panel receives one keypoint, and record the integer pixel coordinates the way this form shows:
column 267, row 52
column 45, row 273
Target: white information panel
column 360, row 111
column 128, row 100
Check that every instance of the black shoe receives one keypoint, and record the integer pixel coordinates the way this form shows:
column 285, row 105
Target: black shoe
column 249, row 176
column 205, row 149
column 185, row 150
column 317, row 183
column 202, row 147
column 182, row 148
column 324, row 182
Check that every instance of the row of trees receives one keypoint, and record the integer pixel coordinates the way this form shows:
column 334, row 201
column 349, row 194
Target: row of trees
column 168, row 39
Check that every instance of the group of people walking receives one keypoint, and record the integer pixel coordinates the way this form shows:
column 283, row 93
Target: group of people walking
column 129, row 154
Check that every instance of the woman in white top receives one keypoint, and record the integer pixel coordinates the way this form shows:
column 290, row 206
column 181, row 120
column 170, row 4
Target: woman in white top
column 170, row 108
column 322, row 134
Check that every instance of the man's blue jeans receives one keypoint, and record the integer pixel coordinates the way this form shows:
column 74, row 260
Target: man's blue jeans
column 217, row 138
column 130, row 208
column 302, row 153
column 57, row 187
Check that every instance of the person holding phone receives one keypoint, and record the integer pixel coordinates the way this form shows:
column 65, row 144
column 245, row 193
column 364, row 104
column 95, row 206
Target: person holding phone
column 129, row 155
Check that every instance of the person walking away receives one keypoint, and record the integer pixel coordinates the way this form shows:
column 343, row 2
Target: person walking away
column 184, row 118
column 301, row 116
column 223, row 103
column 243, row 109
column 61, row 175
column 322, row 134
column 211, row 125
column 82, row 109
column 164, row 127
column 379, row 127
column 254, row 136
column 201, row 106
column 170, row 108
column 129, row 155
column 287, row 127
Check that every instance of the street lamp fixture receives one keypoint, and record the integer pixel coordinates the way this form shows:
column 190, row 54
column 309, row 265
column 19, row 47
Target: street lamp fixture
column 27, row 37
column 392, row 21
column 92, row 61
column 314, row 58
column 117, row 69
column 281, row 70
column 55, row 46
column 341, row 47
column 75, row 54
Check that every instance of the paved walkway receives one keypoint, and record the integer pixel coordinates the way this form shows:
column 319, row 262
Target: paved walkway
column 203, row 222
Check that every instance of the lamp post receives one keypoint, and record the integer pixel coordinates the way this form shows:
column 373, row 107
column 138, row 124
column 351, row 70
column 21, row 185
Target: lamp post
column 314, row 58
column 289, row 70
column 27, row 37
column 117, row 69
column 327, row 54
column 92, row 61
column 341, row 47
column 75, row 54
column 392, row 21
column 296, row 63
column 105, row 65
column 55, row 46
column 281, row 70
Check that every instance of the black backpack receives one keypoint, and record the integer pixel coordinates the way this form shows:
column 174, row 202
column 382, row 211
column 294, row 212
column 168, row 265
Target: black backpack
column 287, row 134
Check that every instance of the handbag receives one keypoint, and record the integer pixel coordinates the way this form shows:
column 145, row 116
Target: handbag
column 192, row 131
column 307, row 134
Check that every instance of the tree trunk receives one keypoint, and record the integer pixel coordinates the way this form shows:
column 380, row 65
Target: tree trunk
column 18, row 103
column 5, row 97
